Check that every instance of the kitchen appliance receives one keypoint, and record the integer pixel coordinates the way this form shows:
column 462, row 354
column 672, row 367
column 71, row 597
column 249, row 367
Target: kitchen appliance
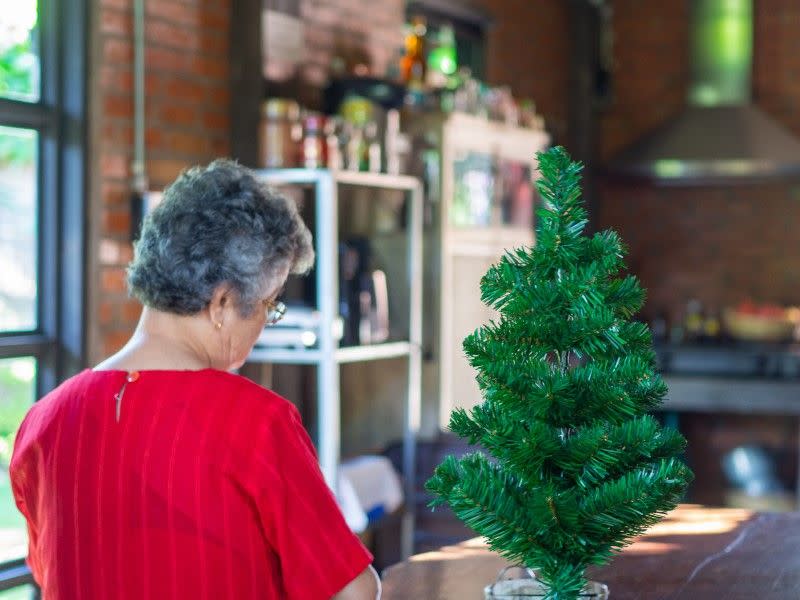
column 721, row 136
column 299, row 329
column 363, row 295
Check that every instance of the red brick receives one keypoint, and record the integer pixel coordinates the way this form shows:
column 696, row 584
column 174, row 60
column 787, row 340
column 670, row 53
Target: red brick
column 115, row 166
column 117, row 79
column 187, row 115
column 220, row 147
column 105, row 312
column 114, row 193
column 210, row 19
column 179, row 89
column 167, row 59
column 113, row 341
column 214, row 43
column 115, row 21
column 117, row 51
column 213, row 68
column 116, row 222
column 218, row 98
column 164, row 33
column 118, row 106
column 188, row 143
column 153, row 85
column 118, row 4
column 112, row 280
column 118, row 133
column 163, row 171
column 125, row 253
column 154, row 137
column 170, row 114
column 217, row 120
column 173, row 10
column 130, row 311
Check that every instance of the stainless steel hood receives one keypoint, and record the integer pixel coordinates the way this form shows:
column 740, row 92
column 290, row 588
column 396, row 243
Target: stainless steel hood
column 721, row 137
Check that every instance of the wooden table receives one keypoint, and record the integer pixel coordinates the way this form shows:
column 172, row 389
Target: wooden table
column 696, row 553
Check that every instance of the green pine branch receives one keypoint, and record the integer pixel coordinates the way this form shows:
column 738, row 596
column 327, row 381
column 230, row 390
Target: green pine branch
column 572, row 466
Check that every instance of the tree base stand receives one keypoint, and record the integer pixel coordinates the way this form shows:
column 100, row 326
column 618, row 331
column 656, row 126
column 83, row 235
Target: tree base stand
column 519, row 583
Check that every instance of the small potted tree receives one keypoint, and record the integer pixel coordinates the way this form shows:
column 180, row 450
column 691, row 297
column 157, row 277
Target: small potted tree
column 572, row 466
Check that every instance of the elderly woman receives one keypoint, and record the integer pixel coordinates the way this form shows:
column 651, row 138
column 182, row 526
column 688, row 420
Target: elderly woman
column 159, row 473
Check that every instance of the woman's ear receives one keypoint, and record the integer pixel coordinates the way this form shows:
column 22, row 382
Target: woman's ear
column 219, row 306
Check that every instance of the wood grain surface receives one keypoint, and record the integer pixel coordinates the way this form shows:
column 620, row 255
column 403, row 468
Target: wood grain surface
column 695, row 553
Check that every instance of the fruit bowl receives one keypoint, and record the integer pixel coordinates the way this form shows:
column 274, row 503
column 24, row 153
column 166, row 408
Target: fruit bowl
column 772, row 326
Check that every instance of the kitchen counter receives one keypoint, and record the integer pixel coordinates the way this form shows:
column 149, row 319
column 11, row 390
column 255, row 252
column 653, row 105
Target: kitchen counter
column 695, row 553
column 731, row 377
column 730, row 359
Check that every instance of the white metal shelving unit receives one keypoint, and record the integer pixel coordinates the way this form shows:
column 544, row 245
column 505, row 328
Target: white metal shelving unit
column 328, row 356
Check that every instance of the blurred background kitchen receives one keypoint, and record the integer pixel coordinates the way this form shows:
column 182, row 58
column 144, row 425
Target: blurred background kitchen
column 406, row 131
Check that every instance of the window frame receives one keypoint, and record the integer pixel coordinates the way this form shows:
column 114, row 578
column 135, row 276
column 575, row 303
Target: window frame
column 58, row 343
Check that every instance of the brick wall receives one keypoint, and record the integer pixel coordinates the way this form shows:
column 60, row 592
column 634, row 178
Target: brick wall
column 187, row 99
column 529, row 50
column 650, row 70
column 539, row 72
column 353, row 30
column 353, row 27
column 776, row 87
column 719, row 245
column 716, row 244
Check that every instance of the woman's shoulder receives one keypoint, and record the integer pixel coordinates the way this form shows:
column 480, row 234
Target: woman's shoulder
column 248, row 391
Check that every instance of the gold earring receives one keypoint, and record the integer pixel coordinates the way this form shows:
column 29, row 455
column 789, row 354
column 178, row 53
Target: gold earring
column 218, row 325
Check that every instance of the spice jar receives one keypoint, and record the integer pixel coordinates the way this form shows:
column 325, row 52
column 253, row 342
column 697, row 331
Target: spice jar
column 280, row 133
column 314, row 150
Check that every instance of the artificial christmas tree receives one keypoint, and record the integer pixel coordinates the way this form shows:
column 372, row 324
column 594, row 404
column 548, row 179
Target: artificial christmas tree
column 577, row 467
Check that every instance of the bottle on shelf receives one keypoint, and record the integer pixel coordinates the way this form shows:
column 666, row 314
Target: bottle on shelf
column 314, row 144
column 396, row 144
column 412, row 65
column 374, row 154
column 354, row 148
column 333, row 147
column 693, row 320
column 280, row 133
column 442, row 59
column 357, row 113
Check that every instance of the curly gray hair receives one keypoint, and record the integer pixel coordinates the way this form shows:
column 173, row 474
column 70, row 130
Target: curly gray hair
column 216, row 224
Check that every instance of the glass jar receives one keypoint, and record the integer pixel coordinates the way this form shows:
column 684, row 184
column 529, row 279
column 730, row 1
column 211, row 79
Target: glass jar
column 280, row 133
column 519, row 583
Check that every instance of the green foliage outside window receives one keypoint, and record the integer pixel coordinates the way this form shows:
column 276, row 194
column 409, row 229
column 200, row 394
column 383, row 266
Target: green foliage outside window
column 19, row 71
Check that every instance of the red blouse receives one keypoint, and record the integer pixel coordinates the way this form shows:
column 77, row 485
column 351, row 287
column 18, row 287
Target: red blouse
column 207, row 487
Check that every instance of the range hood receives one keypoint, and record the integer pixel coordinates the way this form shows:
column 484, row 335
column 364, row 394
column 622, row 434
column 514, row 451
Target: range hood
column 721, row 137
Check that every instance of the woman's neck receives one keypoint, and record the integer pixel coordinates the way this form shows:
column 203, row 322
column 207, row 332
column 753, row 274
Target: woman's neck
column 161, row 341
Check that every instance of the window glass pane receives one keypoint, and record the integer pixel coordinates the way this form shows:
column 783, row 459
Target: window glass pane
column 18, row 229
column 19, row 51
column 17, row 393
column 24, row 592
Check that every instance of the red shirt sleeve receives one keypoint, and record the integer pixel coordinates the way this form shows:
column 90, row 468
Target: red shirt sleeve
column 318, row 553
column 20, row 479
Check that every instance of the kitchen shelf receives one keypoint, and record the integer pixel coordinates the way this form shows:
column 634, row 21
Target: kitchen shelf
column 375, row 352
column 480, row 189
column 341, row 355
column 328, row 357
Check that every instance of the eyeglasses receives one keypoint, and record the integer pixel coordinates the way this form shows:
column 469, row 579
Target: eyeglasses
column 275, row 311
